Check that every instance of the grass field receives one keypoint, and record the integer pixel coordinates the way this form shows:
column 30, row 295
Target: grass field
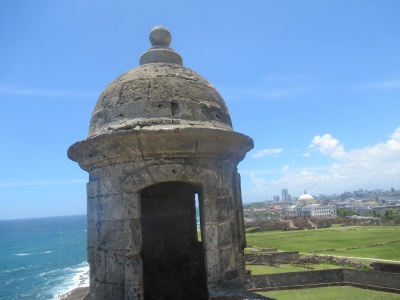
column 286, row 268
column 377, row 242
column 331, row 293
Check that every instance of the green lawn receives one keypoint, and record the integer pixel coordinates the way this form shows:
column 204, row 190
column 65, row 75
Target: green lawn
column 331, row 293
column 334, row 241
column 286, row 268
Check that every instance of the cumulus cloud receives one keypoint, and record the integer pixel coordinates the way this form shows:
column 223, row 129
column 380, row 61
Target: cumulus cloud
column 267, row 152
column 328, row 145
column 376, row 166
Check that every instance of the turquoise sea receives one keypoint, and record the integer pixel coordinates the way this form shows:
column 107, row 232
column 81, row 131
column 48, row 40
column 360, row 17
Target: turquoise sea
column 42, row 258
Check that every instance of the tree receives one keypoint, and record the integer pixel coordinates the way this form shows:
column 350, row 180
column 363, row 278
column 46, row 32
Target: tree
column 344, row 212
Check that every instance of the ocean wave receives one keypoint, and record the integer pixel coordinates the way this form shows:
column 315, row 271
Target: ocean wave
column 75, row 277
column 46, row 252
column 14, row 270
column 23, row 254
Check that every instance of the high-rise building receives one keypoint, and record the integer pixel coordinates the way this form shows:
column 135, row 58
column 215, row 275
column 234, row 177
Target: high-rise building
column 285, row 195
column 276, row 198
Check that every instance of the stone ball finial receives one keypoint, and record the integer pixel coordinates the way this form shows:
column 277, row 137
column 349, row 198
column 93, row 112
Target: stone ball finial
column 160, row 37
column 160, row 52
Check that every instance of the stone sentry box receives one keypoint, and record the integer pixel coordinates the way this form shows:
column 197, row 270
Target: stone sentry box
column 161, row 137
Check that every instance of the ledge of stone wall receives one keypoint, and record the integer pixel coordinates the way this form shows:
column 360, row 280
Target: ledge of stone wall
column 380, row 281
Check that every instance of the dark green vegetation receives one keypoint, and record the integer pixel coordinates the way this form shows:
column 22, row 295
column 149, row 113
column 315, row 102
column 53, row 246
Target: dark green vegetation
column 388, row 215
column 330, row 293
column 376, row 242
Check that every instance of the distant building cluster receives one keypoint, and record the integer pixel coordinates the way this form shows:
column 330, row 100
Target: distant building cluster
column 307, row 206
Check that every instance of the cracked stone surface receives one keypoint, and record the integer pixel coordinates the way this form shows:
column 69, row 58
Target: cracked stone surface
column 159, row 96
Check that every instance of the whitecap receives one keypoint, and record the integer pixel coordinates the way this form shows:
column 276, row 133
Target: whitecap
column 46, row 252
column 14, row 270
column 75, row 277
column 23, row 254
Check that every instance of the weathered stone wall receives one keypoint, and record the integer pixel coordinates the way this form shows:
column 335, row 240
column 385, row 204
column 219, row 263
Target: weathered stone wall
column 294, row 279
column 363, row 279
column 272, row 258
column 281, row 257
column 386, row 267
column 270, row 226
column 115, row 228
column 322, row 222
column 369, row 278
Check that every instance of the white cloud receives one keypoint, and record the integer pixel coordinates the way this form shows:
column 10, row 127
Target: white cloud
column 376, row 166
column 267, row 152
column 327, row 145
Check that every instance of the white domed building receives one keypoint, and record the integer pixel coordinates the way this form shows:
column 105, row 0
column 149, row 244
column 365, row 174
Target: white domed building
column 305, row 199
column 307, row 206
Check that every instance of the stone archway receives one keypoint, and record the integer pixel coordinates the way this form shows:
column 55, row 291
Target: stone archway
column 173, row 256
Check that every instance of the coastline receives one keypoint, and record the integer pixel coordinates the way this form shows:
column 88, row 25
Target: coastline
column 79, row 292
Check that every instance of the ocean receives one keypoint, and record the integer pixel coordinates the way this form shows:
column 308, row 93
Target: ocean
column 42, row 258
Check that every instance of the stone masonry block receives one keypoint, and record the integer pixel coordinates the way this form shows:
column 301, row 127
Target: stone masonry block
column 91, row 209
column 225, row 237
column 99, row 266
column 118, row 207
column 118, row 291
column 237, row 193
column 224, row 207
column 134, row 292
column 109, row 184
column 91, row 255
column 131, row 205
column 134, row 271
column 210, row 210
column 133, row 235
column 91, row 234
column 115, row 267
column 213, row 267
column 211, row 237
column 227, row 258
column 240, row 228
column 227, row 170
column 136, row 179
column 103, row 291
column 168, row 172
column 92, row 188
column 118, row 235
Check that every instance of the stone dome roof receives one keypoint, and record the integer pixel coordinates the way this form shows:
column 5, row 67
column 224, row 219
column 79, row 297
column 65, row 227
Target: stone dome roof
column 159, row 94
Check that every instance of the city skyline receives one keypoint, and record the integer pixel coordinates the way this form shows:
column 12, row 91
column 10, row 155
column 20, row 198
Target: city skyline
column 315, row 84
column 357, row 192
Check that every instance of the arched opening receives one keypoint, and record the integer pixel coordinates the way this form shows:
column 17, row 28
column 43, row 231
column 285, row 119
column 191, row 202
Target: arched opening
column 172, row 253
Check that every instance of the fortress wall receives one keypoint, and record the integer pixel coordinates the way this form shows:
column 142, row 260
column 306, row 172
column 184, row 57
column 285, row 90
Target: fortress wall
column 389, row 282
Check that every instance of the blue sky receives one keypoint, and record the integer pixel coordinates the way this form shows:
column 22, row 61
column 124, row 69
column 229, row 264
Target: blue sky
column 316, row 84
